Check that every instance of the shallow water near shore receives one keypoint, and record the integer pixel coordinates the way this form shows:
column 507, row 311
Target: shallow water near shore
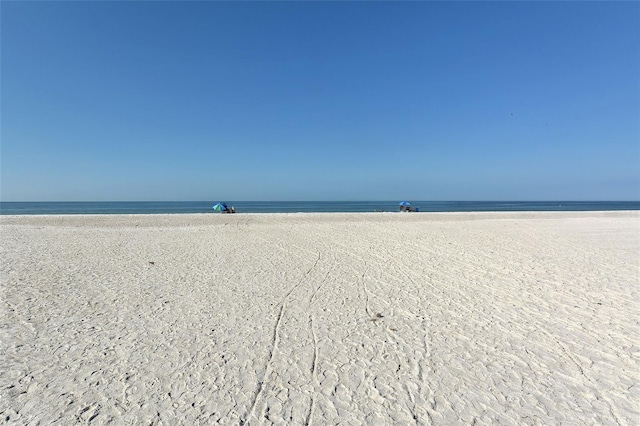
column 176, row 207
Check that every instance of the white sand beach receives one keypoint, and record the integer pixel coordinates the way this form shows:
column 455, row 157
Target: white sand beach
column 328, row 318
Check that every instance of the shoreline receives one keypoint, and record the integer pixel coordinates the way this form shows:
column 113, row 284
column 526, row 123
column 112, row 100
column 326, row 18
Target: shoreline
column 421, row 213
column 308, row 206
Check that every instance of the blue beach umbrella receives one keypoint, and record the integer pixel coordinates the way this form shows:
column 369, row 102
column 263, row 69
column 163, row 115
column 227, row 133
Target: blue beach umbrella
column 219, row 207
column 405, row 203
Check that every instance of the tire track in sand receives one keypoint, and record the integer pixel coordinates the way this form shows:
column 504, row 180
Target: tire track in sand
column 267, row 370
column 274, row 346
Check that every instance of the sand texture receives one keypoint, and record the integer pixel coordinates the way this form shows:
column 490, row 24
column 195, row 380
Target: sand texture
column 367, row 318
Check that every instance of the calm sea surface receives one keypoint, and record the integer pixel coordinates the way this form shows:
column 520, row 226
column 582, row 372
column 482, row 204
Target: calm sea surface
column 31, row 208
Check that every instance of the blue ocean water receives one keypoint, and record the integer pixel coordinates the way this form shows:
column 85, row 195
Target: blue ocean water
column 176, row 207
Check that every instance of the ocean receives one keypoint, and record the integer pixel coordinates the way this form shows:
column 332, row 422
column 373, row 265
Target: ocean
column 178, row 207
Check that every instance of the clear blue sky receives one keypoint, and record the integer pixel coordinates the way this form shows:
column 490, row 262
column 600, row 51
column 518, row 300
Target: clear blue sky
column 320, row 101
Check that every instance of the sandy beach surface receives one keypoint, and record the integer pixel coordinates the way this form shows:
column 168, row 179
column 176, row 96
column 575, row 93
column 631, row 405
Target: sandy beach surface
column 345, row 318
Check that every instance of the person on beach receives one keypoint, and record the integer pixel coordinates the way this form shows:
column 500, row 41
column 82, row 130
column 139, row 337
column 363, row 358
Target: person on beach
column 233, row 209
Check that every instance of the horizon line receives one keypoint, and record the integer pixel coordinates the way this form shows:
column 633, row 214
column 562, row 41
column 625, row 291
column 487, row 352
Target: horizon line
column 327, row 201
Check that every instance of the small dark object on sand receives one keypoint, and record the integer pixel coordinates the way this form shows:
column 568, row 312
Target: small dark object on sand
column 377, row 317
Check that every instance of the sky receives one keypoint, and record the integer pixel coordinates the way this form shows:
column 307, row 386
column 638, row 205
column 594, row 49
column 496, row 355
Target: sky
column 279, row 101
